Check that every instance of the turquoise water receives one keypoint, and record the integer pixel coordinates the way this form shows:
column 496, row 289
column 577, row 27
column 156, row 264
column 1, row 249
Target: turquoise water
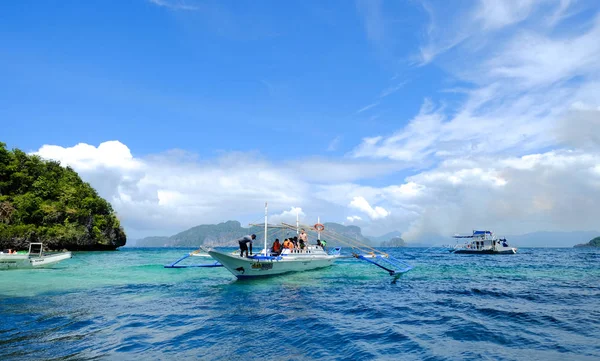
column 123, row 305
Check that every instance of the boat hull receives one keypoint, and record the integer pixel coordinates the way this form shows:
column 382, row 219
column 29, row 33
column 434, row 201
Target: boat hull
column 469, row 251
column 242, row 267
column 18, row 261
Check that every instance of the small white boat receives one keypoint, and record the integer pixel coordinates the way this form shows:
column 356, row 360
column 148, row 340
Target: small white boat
column 483, row 242
column 34, row 258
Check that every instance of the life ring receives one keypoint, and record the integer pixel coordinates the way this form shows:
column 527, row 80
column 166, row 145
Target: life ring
column 319, row 227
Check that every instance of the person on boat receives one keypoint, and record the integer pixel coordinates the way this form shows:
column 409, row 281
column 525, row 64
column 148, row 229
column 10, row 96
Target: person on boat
column 243, row 242
column 323, row 244
column 303, row 238
column 276, row 248
column 288, row 244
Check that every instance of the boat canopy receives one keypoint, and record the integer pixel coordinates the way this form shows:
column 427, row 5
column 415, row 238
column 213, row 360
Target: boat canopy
column 476, row 234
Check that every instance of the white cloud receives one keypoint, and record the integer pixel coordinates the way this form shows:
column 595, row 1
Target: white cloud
column 523, row 85
column 172, row 192
column 367, row 107
column 334, row 144
column 111, row 154
column 495, row 14
column 362, row 204
column 174, row 4
column 414, row 142
column 352, row 219
column 288, row 217
column 546, row 191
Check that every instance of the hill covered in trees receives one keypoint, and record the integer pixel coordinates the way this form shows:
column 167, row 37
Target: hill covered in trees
column 593, row 243
column 41, row 201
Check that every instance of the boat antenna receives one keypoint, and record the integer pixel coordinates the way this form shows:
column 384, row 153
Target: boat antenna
column 266, row 209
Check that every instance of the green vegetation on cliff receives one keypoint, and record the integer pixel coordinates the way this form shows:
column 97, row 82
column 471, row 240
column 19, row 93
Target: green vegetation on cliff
column 593, row 243
column 40, row 201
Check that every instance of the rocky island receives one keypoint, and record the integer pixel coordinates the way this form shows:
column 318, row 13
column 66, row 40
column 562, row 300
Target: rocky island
column 593, row 243
column 41, row 201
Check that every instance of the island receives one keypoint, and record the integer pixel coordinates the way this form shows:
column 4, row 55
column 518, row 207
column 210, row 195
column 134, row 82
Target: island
column 42, row 201
column 593, row 243
column 394, row 242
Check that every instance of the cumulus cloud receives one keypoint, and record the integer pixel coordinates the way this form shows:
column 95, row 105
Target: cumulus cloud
column 171, row 192
column 555, row 190
column 363, row 205
column 352, row 219
column 288, row 217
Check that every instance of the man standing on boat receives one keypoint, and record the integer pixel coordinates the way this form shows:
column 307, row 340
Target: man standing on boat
column 303, row 239
column 243, row 242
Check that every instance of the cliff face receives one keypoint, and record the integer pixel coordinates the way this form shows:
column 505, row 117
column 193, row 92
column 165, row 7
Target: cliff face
column 41, row 201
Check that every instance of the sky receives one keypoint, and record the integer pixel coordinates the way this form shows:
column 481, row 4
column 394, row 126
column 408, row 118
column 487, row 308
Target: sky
column 426, row 117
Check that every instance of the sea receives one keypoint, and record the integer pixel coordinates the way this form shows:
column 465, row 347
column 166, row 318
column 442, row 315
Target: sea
column 540, row 304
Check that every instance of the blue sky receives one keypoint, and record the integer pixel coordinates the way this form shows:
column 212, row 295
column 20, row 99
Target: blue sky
column 427, row 117
column 225, row 75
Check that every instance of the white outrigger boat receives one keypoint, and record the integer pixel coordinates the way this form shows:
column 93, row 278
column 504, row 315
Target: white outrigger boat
column 483, row 242
column 312, row 256
column 34, row 258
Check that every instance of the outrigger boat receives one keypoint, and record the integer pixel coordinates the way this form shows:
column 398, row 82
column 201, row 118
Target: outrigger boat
column 483, row 242
column 34, row 258
column 312, row 256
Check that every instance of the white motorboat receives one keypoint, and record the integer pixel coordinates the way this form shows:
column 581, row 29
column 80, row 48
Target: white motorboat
column 483, row 242
column 34, row 258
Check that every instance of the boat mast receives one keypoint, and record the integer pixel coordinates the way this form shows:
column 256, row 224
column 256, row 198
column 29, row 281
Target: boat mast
column 318, row 230
column 297, row 222
column 266, row 208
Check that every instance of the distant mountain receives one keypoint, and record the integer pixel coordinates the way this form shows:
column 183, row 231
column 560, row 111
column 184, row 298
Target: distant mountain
column 385, row 238
column 551, row 239
column 352, row 232
column 394, row 242
column 210, row 235
column 224, row 234
column 156, row 241
column 593, row 243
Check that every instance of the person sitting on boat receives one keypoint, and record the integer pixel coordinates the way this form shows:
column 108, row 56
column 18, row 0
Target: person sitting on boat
column 243, row 242
column 288, row 244
column 276, row 248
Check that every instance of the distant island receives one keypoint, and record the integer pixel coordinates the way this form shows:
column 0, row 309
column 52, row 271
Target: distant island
column 41, row 201
column 223, row 235
column 394, row 242
column 593, row 243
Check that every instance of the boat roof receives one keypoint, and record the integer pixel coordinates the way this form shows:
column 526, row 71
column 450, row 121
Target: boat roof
column 476, row 234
